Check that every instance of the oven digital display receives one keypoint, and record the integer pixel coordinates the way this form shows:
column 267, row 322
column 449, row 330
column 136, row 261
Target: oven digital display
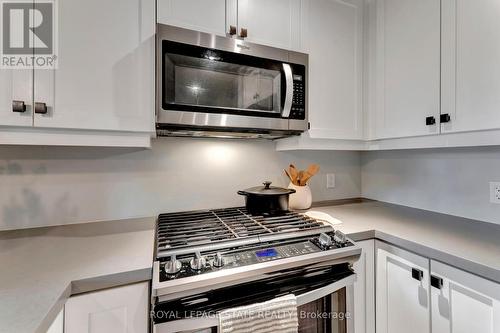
column 266, row 253
column 297, row 77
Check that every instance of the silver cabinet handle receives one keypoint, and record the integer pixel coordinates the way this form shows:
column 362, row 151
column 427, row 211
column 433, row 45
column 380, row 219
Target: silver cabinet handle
column 18, row 106
column 40, row 108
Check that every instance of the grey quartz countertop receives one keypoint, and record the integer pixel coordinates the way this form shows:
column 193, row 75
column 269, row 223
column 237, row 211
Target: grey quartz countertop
column 470, row 245
column 42, row 267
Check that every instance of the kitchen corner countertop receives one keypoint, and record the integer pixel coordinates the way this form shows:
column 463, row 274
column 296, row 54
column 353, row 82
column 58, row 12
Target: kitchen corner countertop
column 42, row 267
column 470, row 245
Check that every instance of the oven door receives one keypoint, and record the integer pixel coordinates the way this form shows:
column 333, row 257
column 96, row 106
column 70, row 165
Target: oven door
column 324, row 298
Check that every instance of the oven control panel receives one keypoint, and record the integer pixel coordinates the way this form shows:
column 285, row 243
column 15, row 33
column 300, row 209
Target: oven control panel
column 196, row 264
column 270, row 253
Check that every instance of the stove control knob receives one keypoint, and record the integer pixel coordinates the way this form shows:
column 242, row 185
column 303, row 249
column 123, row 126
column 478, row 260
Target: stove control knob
column 173, row 266
column 219, row 260
column 325, row 240
column 198, row 262
column 340, row 237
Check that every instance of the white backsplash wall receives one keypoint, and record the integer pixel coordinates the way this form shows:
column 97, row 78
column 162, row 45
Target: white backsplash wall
column 452, row 181
column 42, row 186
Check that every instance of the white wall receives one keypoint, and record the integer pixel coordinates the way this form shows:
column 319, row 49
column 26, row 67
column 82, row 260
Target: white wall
column 59, row 185
column 452, row 181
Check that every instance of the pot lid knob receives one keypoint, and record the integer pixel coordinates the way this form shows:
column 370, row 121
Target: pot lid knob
column 267, row 183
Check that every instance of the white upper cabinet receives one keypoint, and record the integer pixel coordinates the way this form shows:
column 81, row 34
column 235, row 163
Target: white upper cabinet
column 402, row 291
column 275, row 23
column 16, row 87
column 105, row 78
column 462, row 302
column 201, row 15
column 407, row 83
column 332, row 34
column 471, row 71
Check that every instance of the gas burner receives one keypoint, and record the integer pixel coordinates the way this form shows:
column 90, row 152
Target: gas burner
column 201, row 250
column 193, row 229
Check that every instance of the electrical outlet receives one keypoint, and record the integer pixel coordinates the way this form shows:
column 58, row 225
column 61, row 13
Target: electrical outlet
column 330, row 180
column 495, row 192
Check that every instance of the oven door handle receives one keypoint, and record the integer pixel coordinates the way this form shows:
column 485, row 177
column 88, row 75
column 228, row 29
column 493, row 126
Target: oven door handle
column 319, row 293
column 287, row 108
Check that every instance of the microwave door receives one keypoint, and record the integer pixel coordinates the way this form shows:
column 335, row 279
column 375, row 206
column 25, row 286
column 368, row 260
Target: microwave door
column 198, row 79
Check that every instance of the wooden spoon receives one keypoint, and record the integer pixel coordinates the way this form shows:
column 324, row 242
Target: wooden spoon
column 293, row 173
column 311, row 171
column 300, row 181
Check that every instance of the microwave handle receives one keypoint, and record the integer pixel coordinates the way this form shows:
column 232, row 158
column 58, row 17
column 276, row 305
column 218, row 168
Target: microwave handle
column 319, row 293
column 288, row 92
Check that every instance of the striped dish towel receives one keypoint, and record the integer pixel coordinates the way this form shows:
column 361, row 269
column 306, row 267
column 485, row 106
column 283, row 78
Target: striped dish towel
column 277, row 316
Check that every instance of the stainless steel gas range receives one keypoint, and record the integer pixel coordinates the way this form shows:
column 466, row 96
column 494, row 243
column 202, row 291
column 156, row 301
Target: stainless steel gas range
column 212, row 260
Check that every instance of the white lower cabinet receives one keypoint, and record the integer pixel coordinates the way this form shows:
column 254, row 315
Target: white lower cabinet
column 463, row 302
column 445, row 300
column 402, row 291
column 57, row 325
column 117, row 310
column 364, row 290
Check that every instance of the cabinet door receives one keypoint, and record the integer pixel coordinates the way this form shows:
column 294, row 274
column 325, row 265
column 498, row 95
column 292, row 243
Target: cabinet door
column 275, row 23
column 407, row 67
column 471, row 74
column 333, row 37
column 402, row 300
column 16, row 85
column 364, row 289
column 200, row 15
column 123, row 309
column 105, row 78
column 465, row 303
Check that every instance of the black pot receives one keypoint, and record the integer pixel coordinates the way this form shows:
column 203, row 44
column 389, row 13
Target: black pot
column 266, row 200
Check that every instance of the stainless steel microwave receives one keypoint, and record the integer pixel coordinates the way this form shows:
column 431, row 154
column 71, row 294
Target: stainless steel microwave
column 215, row 86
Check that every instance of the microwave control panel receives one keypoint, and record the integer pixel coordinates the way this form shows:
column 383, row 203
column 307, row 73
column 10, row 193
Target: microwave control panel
column 299, row 93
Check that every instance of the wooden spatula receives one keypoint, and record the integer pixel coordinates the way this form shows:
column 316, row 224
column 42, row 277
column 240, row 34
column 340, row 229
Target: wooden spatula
column 311, row 171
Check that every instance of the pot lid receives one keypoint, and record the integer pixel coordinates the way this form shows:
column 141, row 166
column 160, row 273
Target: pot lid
column 267, row 189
